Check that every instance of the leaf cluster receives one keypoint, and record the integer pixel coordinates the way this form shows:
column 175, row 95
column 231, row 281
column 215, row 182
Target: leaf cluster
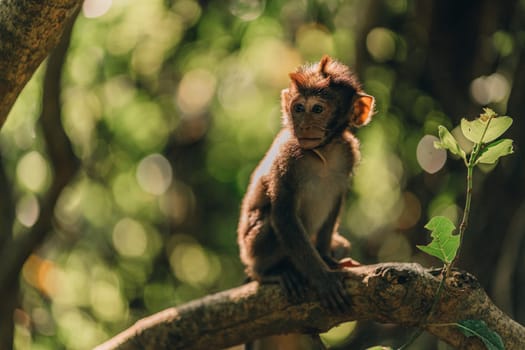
column 484, row 133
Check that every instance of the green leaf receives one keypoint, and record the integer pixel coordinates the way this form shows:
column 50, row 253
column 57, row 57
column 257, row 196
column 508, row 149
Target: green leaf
column 473, row 130
column 493, row 151
column 444, row 245
column 448, row 141
column 478, row 328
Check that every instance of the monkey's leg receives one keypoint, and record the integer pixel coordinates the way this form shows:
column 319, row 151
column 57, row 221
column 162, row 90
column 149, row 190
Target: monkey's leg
column 267, row 263
column 330, row 244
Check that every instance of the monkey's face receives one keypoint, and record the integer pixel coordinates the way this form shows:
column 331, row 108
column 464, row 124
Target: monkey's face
column 310, row 119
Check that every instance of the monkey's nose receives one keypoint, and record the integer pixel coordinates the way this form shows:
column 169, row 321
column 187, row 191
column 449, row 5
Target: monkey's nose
column 305, row 126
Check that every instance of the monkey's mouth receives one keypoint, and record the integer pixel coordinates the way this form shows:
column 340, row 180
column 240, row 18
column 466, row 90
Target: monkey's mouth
column 310, row 139
column 309, row 142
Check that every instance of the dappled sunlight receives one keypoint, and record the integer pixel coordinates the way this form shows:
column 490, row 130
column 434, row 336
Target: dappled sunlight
column 68, row 210
column 195, row 92
column 411, row 213
column 381, row 44
column 32, row 172
column 192, row 264
column 247, row 10
column 377, row 186
column 154, row 174
column 95, row 8
column 39, row 273
column 27, row 210
column 444, row 204
column 129, row 238
column 77, row 329
column 178, row 202
column 107, row 302
column 490, row 89
column 429, row 158
column 313, row 41
column 170, row 105
column 238, row 92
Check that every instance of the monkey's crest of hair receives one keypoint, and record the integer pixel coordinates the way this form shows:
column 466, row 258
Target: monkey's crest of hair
column 327, row 73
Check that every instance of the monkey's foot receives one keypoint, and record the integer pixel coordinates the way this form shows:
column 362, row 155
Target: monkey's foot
column 294, row 285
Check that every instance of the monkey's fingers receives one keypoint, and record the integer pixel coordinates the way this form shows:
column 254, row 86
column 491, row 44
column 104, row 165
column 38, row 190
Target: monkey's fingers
column 348, row 262
column 340, row 299
column 347, row 300
column 334, row 295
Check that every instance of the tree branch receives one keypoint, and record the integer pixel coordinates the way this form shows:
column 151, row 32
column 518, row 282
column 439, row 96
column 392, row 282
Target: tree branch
column 29, row 29
column 64, row 162
column 392, row 292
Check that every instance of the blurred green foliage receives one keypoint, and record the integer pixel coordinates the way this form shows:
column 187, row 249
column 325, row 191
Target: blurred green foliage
column 169, row 106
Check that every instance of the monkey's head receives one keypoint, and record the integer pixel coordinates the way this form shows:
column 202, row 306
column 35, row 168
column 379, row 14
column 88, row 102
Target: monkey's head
column 323, row 100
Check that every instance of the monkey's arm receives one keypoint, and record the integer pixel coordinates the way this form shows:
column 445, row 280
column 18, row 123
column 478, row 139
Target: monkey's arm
column 305, row 258
column 325, row 235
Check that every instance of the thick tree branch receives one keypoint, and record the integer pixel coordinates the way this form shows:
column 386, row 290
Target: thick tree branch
column 29, row 29
column 64, row 162
column 16, row 250
column 393, row 293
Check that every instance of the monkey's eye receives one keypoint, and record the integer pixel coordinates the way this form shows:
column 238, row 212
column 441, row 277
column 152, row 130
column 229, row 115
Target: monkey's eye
column 317, row 109
column 298, row 108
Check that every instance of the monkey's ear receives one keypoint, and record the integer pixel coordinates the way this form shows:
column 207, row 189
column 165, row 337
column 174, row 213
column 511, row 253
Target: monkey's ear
column 285, row 97
column 325, row 60
column 362, row 109
column 285, row 101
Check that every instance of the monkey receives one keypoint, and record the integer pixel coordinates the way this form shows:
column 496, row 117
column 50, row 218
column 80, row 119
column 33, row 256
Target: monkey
column 290, row 212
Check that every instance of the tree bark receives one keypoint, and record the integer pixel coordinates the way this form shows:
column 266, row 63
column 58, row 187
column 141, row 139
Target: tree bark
column 29, row 29
column 15, row 250
column 392, row 292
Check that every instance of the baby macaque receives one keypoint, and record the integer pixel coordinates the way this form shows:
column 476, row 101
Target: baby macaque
column 289, row 216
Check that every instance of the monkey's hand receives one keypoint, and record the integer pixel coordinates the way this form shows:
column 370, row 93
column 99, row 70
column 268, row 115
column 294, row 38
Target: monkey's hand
column 332, row 293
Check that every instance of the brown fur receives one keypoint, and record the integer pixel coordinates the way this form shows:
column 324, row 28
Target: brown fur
column 289, row 216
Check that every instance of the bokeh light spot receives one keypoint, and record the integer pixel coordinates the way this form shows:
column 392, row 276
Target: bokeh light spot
column 314, row 41
column 503, row 42
column 106, row 301
column 27, row 210
column 381, row 44
column 247, row 10
column 195, row 91
column 129, row 238
column 193, row 265
column 95, row 8
column 238, row 92
column 489, row 89
column 154, row 174
column 429, row 158
column 411, row 211
column 32, row 171
column 77, row 330
column 36, row 272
